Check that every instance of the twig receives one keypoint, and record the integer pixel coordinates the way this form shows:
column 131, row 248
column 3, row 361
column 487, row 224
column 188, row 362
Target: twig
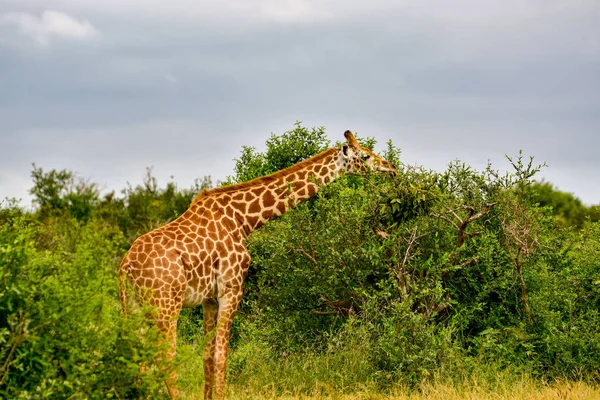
column 343, row 307
column 6, row 365
column 305, row 253
column 461, row 227
column 519, row 264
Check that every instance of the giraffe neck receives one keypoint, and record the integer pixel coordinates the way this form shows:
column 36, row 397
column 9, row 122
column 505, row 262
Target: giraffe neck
column 251, row 204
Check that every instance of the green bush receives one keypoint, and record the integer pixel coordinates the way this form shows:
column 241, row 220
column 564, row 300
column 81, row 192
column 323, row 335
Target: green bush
column 61, row 332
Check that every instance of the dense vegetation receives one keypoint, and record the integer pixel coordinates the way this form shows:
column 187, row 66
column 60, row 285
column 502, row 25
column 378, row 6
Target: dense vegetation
column 376, row 282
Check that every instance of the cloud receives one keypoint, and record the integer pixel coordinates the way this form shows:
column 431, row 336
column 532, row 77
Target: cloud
column 190, row 150
column 51, row 24
column 171, row 78
column 466, row 79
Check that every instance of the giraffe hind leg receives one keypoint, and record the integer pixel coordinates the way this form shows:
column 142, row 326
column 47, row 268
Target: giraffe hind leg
column 228, row 305
column 210, row 312
column 166, row 323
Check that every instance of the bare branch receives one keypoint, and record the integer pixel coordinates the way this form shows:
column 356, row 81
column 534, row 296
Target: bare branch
column 305, row 253
column 463, row 224
column 456, row 216
column 463, row 236
column 410, row 243
column 486, row 209
column 470, row 235
column 519, row 264
column 447, row 220
column 471, row 210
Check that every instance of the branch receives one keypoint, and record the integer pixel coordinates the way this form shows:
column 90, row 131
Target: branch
column 470, row 208
column 343, row 307
column 410, row 244
column 469, row 261
column 413, row 239
column 486, row 209
column 18, row 339
column 305, row 253
column 447, row 220
column 519, row 264
column 470, row 235
column 462, row 225
column 463, row 236
column 456, row 216
column 317, row 312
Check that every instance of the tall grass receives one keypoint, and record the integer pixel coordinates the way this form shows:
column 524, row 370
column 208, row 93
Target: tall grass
column 344, row 374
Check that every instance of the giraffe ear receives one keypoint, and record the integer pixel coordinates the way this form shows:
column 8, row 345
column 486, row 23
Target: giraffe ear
column 351, row 139
column 345, row 150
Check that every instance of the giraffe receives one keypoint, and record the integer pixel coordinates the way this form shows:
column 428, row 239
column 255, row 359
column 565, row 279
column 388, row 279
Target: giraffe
column 201, row 257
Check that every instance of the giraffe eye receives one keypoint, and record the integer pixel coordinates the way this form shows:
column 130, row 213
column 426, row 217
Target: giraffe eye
column 365, row 157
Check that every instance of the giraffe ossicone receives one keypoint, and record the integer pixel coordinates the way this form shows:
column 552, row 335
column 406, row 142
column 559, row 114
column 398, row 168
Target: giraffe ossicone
column 201, row 258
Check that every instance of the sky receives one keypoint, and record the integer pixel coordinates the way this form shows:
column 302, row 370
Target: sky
column 109, row 88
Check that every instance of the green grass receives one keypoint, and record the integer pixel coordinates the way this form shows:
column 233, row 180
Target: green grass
column 254, row 373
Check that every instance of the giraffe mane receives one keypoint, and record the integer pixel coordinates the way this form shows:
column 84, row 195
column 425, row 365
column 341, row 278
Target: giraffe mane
column 267, row 178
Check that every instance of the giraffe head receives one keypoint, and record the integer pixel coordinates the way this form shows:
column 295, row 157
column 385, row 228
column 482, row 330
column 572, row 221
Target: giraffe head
column 360, row 160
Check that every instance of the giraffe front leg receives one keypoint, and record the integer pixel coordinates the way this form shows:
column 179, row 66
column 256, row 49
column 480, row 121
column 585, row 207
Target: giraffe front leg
column 228, row 305
column 211, row 309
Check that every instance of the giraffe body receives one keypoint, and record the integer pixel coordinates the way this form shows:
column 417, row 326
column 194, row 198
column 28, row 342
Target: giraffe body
column 201, row 258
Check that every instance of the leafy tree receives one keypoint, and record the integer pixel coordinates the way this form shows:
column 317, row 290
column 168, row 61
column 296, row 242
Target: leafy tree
column 58, row 191
column 568, row 209
column 282, row 151
column 148, row 206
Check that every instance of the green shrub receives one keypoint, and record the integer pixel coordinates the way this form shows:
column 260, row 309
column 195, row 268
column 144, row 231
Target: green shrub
column 61, row 332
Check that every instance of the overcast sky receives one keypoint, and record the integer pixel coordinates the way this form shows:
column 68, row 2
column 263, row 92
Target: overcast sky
column 108, row 88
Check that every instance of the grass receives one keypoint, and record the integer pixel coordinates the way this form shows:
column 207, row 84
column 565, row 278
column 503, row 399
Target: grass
column 255, row 375
column 526, row 390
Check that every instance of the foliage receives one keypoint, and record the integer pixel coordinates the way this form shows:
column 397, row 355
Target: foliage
column 147, row 206
column 435, row 270
column 61, row 334
column 58, row 191
column 394, row 281
column 282, row 151
column 567, row 209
